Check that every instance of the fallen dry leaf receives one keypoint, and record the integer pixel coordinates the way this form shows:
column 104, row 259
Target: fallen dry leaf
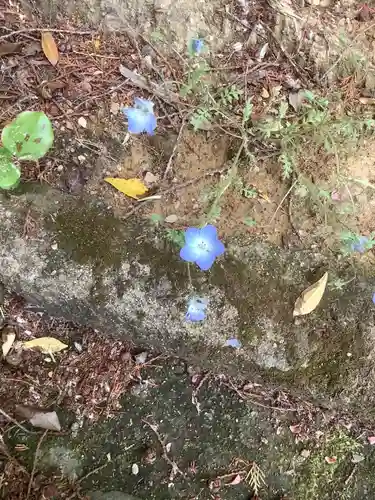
column 47, row 345
column 310, row 298
column 295, row 429
column 9, row 48
column 295, row 99
column 129, row 187
column 39, row 418
column 330, row 460
column 8, row 337
column 82, row 122
column 50, row 48
column 236, row 480
column 115, row 107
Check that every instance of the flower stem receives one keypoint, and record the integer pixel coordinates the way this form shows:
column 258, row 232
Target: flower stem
column 228, row 182
column 189, row 275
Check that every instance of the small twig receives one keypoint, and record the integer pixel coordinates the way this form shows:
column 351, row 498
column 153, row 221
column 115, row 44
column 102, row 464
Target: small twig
column 14, row 421
column 141, row 82
column 245, row 398
column 169, row 164
column 283, row 199
column 35, row 462
column 41, row 30
column 94, row 471
column 194, row 396
column 175, row 468
column 166, row 62
column 300, row 71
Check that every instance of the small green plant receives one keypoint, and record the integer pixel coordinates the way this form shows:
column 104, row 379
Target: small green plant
column 248, row 221
column 175, row 236
column 352, row 242
column 315, row 126
column 249, row 192
column 28, row 137
column 156, row 219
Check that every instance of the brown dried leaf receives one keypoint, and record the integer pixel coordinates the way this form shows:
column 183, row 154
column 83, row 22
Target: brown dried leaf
column 39, row 418
column 310, row 298
column 9, row 48
column 50, row 48
column 330, row 460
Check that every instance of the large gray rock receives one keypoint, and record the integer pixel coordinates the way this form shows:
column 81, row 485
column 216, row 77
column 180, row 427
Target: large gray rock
column 166, row 23
column 123, row 278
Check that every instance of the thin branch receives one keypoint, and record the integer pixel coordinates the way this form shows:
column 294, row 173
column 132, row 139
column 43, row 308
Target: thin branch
column 43, row 30
column 169, row 164
column 245, row 398
column 34, row 463
column 175, row 468
column 14, row 421
column 282, row 201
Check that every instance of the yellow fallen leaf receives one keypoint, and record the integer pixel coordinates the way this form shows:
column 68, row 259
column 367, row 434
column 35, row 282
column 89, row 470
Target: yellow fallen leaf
column 130, row 187
column 310, row 298
column 96, row 44
column 50, row 48
column 48, row 345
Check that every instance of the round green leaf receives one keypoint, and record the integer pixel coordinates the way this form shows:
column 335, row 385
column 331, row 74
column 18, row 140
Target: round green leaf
column 29, row 136
column 9, row 173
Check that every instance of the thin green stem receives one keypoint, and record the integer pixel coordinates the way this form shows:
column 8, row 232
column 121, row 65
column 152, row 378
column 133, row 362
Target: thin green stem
column 228, row 182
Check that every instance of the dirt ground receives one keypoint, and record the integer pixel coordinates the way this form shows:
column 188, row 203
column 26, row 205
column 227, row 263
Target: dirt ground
column 97, row 381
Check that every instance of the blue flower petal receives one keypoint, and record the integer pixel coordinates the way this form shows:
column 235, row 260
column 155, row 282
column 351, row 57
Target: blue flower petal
column 373, row 298
column 205, row 261
column 233, row 343
column 209, row 232
column 191, row 235
column 196, row 309
column 218, row 248
column 144, row 104
column 197, row 45
column 151, row 124
column 195, row 315
column 188, row 253
column 360, row 244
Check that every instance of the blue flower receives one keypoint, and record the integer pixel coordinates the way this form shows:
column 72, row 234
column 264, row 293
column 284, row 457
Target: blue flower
column 202, row 246
column 196, row 309
column 141, row 117
column 235, row 343
column 373, row 298
column 197, row 46
column 360, row 244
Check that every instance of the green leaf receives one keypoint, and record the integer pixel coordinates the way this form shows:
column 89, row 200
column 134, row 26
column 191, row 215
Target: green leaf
column 175, row 236
column 29, row 136
column 283, row 109
column 247, row 110
column 156, row 218
column 249, row 222
column 309, row 95
column 9, row 173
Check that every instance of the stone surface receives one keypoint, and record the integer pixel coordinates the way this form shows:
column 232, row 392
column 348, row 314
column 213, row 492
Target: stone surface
column 83, row 264
column 207, row 445
column 166, row 23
